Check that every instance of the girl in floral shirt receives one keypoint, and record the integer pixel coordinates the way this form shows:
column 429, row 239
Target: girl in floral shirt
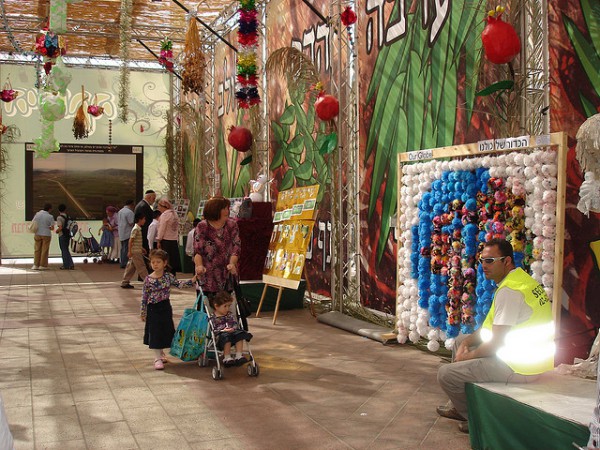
column 156, row 307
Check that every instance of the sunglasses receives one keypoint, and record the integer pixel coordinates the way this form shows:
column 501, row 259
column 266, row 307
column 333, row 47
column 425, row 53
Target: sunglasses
column 491, row 260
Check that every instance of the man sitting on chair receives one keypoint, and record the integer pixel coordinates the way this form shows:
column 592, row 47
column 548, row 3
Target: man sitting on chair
column 515, row 342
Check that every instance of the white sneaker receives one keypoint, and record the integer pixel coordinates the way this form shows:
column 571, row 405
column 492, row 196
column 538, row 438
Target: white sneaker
column 42, row 268
column 34, row 267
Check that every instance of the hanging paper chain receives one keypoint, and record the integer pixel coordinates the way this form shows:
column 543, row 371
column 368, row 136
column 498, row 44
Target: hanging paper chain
column 247, row 91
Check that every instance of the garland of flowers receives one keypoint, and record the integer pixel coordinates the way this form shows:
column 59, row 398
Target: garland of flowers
column 449, row 210
column 125, row 39
column 247, row 93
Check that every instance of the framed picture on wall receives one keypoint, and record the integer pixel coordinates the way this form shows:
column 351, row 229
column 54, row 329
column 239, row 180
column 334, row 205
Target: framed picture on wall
column 87, row 178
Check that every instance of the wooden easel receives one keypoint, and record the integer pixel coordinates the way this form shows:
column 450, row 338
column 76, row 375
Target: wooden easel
column 280, row 289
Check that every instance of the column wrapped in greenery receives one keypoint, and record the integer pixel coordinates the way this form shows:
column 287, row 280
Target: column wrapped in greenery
column 125, row 36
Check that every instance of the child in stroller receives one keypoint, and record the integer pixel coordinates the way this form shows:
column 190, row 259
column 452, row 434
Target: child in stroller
column 225, row 332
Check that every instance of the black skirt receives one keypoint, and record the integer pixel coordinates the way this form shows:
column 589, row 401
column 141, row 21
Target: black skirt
column 159, row 330
column 233, row 337
column 172, row 248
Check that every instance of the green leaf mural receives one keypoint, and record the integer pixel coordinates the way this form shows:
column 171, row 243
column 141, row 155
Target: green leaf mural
column 413, row 89
column 587, row 49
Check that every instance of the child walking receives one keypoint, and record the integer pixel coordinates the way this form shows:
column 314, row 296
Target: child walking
column 156, row 306
column 135, row 252
column 227, row 329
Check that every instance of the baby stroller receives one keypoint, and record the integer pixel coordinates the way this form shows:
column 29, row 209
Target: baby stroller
column 93, row 248
column 211, row 351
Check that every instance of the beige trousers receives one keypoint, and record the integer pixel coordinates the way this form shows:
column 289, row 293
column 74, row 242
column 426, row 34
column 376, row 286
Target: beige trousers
column 40, row 251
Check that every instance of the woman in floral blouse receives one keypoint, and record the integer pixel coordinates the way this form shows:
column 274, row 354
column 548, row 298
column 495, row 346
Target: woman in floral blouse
column 217, row 247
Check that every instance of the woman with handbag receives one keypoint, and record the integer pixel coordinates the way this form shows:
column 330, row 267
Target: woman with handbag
column 217, row 247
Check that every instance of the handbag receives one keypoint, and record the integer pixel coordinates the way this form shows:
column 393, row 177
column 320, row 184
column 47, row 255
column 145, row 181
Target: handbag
column 33, row 226
column 190, row 336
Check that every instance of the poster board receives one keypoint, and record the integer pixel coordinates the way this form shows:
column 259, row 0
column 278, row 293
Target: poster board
column 293, row 224
column 181, row 207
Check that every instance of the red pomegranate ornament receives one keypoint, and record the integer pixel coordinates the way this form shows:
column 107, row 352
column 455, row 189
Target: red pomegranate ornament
column 240, row 138
column 500, row 40
column 327, row 107
column 8, row 95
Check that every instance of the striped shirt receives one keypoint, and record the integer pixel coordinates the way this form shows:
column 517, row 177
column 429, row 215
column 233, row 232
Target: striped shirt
column 135, row 240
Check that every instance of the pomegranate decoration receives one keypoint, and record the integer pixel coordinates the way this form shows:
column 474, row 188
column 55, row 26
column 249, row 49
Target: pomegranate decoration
column 327, row 107
column 240, row 138
column 500, row 40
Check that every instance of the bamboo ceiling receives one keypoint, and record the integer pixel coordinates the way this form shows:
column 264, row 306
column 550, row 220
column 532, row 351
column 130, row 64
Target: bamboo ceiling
column 94, row 25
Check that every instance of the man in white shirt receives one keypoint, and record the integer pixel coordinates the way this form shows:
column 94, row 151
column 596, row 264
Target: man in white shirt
column 514, row 344
column 153, row 228
column 189, row 243
column 125, row 223
column 42, row 237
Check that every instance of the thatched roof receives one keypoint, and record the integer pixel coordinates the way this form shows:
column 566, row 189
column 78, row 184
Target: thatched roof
column 93, row 25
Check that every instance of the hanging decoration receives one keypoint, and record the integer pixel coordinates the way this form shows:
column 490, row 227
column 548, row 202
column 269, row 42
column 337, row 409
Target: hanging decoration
column 8, row 94
column 125, row 39
column 327, row 106
column 587, row 152
column 81, row 124
column 500, row 40
column 166, row 54
column 194, row 61
column 94, row 109
column 50, row 46
column 57, row 20
column 247, row 93
column 240, row 138
column 59, row 77
column 52, row 107
column 348, row 18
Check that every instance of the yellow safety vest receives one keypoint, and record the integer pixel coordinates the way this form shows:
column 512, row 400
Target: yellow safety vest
column 529, row 346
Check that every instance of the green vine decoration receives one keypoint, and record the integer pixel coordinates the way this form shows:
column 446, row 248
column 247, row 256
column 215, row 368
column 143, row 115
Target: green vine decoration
column 125, row 40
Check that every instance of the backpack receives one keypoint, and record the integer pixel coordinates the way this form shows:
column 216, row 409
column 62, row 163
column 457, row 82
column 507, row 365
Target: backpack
column 70, row 228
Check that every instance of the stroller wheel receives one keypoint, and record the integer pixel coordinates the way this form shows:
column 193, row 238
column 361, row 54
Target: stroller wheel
column 85, row 261
column 202, row 361
column 217, row 374
column 253, row 369
column 95, row 260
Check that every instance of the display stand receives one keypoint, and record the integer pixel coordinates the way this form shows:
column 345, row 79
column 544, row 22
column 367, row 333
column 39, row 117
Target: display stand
column 479, row 155
column 294, row 220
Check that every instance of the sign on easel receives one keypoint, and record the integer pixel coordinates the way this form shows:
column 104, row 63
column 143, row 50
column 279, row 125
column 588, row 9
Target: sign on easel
column 293, row 224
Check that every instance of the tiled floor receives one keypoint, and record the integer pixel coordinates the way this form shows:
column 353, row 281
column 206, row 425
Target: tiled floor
column 74, row 374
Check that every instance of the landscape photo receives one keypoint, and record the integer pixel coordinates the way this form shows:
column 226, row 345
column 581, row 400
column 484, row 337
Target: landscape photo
column 86, row 182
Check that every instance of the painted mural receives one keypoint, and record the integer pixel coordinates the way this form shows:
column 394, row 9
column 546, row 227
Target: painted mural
column 419, row 64
column 234, row 177
column 295, row 133
column 574, row 30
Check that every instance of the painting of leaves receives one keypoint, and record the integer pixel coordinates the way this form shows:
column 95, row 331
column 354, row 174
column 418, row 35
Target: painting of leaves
column 301, row 141
column 414, row 95
column 587, row 49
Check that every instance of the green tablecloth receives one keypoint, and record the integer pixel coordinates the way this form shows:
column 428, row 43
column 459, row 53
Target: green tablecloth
column 498, row 422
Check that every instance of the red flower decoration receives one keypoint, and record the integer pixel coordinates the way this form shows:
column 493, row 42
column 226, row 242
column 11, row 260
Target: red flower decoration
column 348, row 17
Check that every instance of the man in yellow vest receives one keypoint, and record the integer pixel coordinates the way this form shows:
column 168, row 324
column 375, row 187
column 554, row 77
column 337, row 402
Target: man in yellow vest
column 515, row 342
